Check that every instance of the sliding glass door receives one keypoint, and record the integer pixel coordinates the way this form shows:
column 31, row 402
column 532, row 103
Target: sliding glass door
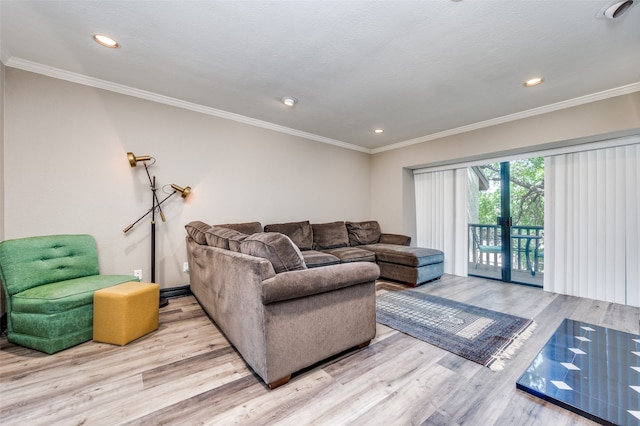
column 506, row 221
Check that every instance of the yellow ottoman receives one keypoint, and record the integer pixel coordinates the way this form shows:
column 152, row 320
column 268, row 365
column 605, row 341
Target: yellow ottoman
column 124, row 312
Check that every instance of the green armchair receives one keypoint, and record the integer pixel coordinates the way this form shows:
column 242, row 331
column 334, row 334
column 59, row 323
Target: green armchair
column 49, row 283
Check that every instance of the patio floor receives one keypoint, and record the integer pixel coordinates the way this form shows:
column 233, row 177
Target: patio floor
column 494, row 272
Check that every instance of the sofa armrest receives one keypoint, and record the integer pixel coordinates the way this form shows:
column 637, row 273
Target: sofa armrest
column 401, row 240
column 306, row 282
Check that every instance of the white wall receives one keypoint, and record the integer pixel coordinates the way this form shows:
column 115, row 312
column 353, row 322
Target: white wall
column 65, row 168
column 2, row 71
column 66, row 171
column 392, row 179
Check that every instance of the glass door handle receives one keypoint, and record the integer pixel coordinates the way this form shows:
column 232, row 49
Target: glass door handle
column 502, row 222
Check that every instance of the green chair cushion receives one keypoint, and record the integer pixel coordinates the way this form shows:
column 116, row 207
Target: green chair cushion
column 64, row 295
column 35, row 261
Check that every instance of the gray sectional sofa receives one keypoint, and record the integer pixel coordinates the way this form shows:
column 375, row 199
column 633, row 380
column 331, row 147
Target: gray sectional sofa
column 343, row 242
column 298, row 293
column 280, row 315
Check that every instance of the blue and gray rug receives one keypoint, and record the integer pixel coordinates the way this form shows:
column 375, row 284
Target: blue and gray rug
column 477, row 334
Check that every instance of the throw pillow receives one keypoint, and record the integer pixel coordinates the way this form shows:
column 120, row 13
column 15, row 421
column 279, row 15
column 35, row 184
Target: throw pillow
column 224, row 238
column 234, row 241
column 196, row 230
column 300, row 233
column 246, row 228
column 367, row 232
column 276, row 248
column 330, row 235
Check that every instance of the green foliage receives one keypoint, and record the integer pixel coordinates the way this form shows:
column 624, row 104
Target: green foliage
column 527, row 193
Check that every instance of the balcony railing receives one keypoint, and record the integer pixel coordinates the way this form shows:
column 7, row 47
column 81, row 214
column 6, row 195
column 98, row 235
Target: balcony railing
column 527, row 247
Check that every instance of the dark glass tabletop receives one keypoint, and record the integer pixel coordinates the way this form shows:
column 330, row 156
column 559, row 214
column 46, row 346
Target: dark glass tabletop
column 591, row 370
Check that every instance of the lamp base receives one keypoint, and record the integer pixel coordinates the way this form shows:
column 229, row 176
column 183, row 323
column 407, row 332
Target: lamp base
column 163, row 302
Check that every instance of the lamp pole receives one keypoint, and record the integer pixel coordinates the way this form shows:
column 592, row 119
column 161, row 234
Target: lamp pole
column 153, row 230
column 155, row 205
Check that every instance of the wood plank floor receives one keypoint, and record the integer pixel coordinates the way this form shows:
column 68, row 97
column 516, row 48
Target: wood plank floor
column 186, row 373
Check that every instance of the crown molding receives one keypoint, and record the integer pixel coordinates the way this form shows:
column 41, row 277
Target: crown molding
column 5, row 55
column 154, row 97
column 606, row 94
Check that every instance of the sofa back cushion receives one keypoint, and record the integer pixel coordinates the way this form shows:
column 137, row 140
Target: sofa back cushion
column 31, row 262
column 300, row 233
column 196, row 230
column 224, row 238
column 330, row 235
column 276, row 248
column 246, row 228
column 360, row 233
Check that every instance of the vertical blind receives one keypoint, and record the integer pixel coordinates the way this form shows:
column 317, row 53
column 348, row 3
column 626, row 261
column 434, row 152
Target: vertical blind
column 592, row 208
column 592, row 216
column 441, row 216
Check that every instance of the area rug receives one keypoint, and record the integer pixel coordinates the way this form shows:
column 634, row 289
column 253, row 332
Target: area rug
column 477, row 334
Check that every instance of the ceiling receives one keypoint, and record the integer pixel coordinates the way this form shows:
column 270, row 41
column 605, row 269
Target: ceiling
column 416, row 69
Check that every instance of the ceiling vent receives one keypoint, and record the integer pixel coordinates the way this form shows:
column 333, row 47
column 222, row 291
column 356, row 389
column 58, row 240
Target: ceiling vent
column 615, row 10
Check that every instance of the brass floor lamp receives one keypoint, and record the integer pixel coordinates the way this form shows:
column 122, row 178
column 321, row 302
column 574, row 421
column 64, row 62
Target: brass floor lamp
column 155, row 206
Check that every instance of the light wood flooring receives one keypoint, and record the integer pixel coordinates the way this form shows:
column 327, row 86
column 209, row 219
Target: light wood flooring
column 186, row 373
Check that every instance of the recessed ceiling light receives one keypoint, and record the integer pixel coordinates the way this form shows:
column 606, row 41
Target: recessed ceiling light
column 533, row 82
column 378, row 131
column 616, row 9
column 289, row 101
column 106, row 41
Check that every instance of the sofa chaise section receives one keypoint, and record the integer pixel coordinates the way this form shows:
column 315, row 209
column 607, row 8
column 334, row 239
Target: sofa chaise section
column 410, row 265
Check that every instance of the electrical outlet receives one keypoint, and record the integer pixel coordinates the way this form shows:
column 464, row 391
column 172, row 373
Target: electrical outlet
column 138, row 273
column 185, row 267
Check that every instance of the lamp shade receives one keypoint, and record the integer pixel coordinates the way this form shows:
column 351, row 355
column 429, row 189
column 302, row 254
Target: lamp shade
column 184, row 192
column 133, row 160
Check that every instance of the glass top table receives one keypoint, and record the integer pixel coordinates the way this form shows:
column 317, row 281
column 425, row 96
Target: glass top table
column 591, row 370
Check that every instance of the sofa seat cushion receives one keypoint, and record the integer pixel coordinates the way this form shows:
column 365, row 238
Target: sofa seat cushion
column 330, row 235
column 300, row 233
column 276, row 248
column 352, row 254
column 63, row 295
column 315, row 258
column 361, row 233
column 224, row 238
column 404, row 255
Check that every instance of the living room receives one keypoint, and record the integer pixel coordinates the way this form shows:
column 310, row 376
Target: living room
column 64, row 141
